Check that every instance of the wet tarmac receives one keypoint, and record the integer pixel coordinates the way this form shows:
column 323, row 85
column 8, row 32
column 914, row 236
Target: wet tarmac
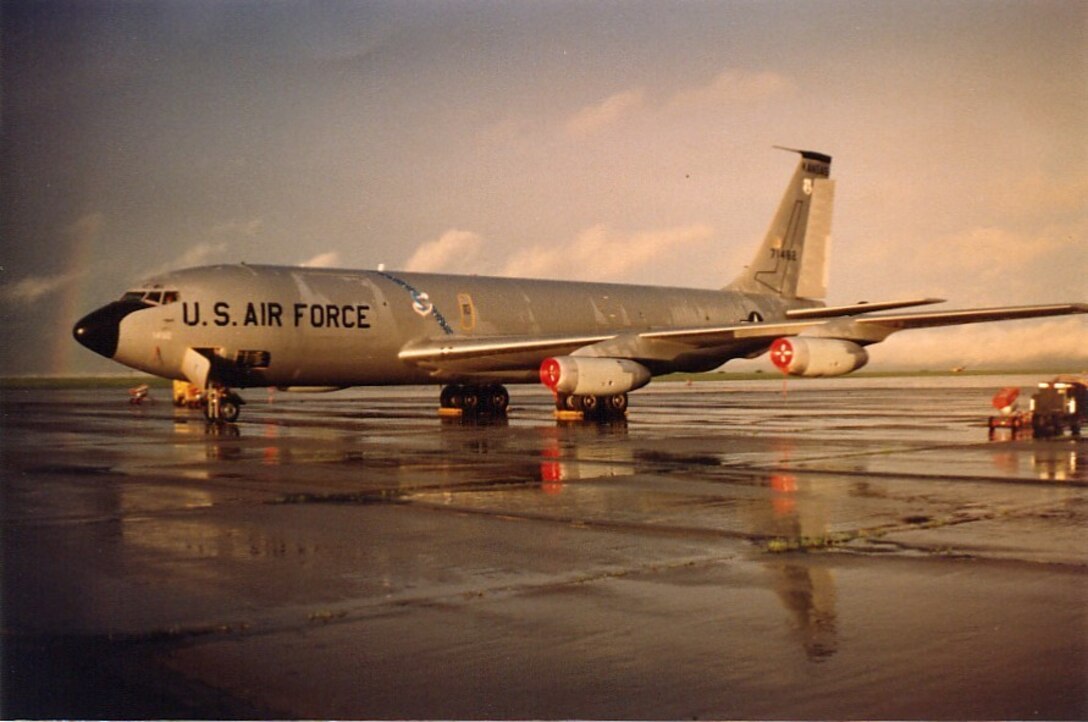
column 854, row 548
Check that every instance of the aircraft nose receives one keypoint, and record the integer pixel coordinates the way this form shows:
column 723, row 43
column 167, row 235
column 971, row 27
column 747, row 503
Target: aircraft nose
column 100, row 330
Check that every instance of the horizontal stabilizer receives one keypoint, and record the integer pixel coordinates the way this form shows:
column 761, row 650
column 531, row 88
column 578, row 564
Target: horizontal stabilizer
column 855, row 308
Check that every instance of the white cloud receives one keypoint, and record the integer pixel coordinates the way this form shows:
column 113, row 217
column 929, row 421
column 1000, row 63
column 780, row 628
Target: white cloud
column 1039, row 195
column 1027, row 343
column 596, row 117
column 454, row 252
column 598, row 253
column 248, row 228
column 329, row 259
column 731, row 87
column 87, row 228
column 32, row 288
column 198, row 255
column 81, row 234
column 999, row 265
column 601, row 253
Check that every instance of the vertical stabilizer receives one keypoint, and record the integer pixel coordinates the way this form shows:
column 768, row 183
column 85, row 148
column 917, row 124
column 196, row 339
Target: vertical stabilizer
column 792, row 261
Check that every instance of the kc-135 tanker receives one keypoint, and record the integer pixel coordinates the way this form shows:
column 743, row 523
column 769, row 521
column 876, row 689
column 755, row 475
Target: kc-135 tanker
column 589, row 343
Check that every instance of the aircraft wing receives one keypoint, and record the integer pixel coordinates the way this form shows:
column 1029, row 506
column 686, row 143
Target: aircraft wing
column 483, row 354
column 468, row 354
column 973, row 315
column 857, row 308
column 863, row 329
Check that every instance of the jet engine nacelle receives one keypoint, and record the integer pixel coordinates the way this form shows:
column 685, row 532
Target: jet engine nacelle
column 817, row 356
column 592, row 376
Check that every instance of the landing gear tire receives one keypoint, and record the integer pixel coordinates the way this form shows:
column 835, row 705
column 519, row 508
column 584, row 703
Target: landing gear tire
column 472, row 400
column 229, row 410
column 222, row 405
column 616, row 405
column 496, row 399
column 601, row 408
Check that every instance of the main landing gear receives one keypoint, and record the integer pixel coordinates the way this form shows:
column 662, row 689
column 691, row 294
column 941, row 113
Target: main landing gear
column 222, row 404
column 613, row 406
column 468, row 399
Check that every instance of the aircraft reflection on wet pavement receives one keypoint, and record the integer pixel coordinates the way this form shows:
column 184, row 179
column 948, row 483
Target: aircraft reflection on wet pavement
column 728, row 547
column 575, row 465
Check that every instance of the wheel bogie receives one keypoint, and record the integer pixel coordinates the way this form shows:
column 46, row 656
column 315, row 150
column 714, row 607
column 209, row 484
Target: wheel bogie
column 470, row 399
column 594, row 407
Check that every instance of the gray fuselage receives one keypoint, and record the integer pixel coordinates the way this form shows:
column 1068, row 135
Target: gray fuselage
column 290, row 326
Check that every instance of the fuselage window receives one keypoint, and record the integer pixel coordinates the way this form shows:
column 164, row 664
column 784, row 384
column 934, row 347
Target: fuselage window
column 152, row 298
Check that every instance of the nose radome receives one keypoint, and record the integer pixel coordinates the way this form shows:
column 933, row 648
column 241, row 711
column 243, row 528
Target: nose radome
column 100, row 330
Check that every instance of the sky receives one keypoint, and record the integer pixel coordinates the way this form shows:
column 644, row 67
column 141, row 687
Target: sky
column 620, row 141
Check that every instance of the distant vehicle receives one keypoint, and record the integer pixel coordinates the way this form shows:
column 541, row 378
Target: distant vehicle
column 139, row 394
column 1009, row 414
column 1058, row 405
column 188, row 395
column 588, row 343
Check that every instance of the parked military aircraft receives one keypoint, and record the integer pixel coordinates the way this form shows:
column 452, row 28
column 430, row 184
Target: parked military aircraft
column 589, row 343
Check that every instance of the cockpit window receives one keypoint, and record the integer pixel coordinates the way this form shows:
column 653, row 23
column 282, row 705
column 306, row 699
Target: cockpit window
column 152, row 298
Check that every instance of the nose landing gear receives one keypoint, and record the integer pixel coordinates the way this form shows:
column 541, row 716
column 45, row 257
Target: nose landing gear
column 222, row 404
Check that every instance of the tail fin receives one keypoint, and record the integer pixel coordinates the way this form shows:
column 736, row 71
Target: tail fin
column 792, row 262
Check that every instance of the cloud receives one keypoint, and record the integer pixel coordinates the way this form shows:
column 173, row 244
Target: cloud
column 731, row 87
column 601, row 253
column 1045, row 342
column 987, row 249
column 81, row 235
column 598, row 253
column 593, row 118
column 86, row 229
column 329, row 259
column 1038, row 195
column 32, row 288
column 197, row 255
column 454, row 252
column 998, row 265
column 249, row 229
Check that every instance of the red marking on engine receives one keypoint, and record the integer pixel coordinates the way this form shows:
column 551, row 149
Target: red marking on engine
column 782, row 354
column 549, row 373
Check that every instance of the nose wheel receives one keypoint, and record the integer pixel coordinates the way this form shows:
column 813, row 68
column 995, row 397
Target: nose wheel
column 471, row 399
column 222, row 404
